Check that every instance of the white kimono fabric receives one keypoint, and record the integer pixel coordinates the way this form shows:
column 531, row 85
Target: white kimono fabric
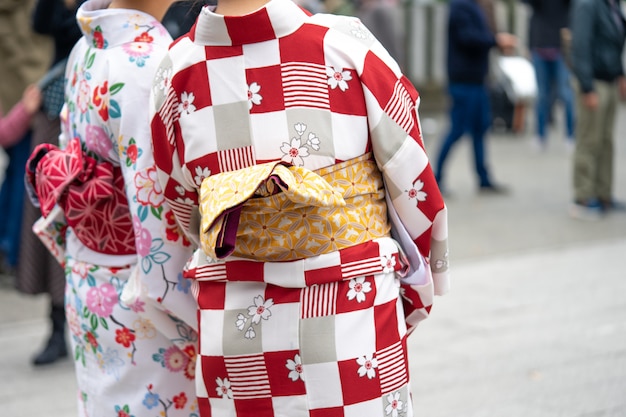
column 325, row 335
column 127, row 363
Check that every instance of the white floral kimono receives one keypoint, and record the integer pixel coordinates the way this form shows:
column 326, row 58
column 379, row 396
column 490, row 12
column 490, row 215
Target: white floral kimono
column 133, row 358
column 306, row 300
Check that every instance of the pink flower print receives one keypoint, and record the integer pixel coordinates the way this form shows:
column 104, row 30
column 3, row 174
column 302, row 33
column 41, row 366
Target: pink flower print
column 295, row 368
column 338, row 78
column 97, row 140
column 137, row 306
column 143, row 238
column 358, row 288
column 416, row 192
column 223, row 388
column 388, row 262
column 294, row 152
column 186, row 103
column 149, row 192
column 83, row 97
column 260, row 309
column 175, row 360
column 395, row 405
column 102, row 299
column 73, row 322
column 368, row 365
column 253, row 95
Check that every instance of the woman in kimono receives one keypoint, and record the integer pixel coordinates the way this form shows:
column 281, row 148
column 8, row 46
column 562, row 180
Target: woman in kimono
column 289, row 148
column 135, row 356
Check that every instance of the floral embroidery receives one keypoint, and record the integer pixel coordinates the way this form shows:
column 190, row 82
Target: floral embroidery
column 102, row 299
column 132, row 153
column 257, row 312
column 253, row 95
column 416, row 192
column 149, row 191
column 163, row 78
column 295, row 368
column 101, row 99
column 139, row 49
column 296, row 150
column 395, row 405
column 368, row 365
column 123, row 411
column 98, row 39
column 124, row 337
column 223, row 388
column 97, row 140
column 186, row 103
column 144, row 329
column 388, row 262
column 338, row 78
column 359, row 30
column 358, row 288
column 201, row 174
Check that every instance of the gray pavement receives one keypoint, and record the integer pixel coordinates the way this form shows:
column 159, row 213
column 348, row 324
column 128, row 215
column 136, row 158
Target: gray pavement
column 535, row 324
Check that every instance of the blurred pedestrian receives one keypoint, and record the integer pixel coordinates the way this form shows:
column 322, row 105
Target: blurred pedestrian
column 598, row 34
column 283, row 141
column 547, row 20
column 107, row 222
column 470, row 40
column 15, row 124
column 55, row 19
column 24, row 58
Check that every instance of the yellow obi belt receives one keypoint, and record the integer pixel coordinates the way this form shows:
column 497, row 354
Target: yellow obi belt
column 273, row 212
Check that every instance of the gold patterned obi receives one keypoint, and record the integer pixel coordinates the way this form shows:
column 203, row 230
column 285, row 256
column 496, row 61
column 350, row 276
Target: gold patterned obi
column 278, row 213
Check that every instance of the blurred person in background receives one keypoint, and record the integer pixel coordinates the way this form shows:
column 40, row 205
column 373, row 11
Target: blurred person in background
column 547, row 20
column 24, row 58
column 470, row 40
column 15, row 124
column 56, row 20
column 598, row 33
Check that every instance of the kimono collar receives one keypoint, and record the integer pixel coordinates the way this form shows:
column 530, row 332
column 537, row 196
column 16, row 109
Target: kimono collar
column 105, row 28
column 276, row 19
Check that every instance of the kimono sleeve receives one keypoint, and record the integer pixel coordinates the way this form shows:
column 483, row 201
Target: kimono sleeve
column 157, row 288
column 411, row 190
column 179, row 189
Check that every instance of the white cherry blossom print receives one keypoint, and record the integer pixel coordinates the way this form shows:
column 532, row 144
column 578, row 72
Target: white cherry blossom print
column 358, row 288
column 359, row 30
column 300, row 128
column 254, row 98
column 260, row 309
column 338, row 78
column 293, row 152
column 201, row 174
column 295, row 368
column 163, row 78
column 223, row 388
column 186, row 105
column 368, row 365
column 416, row 192
column 388, row 262
column 313, row 142
column 395, row 405
column 241, row 321
column 250, row 333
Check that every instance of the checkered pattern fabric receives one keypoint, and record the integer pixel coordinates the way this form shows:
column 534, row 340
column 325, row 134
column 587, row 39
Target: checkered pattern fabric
column 301, row 337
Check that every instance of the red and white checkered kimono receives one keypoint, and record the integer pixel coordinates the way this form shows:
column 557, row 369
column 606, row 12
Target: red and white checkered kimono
column 326, row 335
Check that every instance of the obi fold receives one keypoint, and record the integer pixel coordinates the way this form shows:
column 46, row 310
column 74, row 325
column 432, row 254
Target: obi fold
column 90, row 194
column 273, row 212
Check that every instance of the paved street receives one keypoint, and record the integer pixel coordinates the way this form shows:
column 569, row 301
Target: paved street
column 535, row 324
